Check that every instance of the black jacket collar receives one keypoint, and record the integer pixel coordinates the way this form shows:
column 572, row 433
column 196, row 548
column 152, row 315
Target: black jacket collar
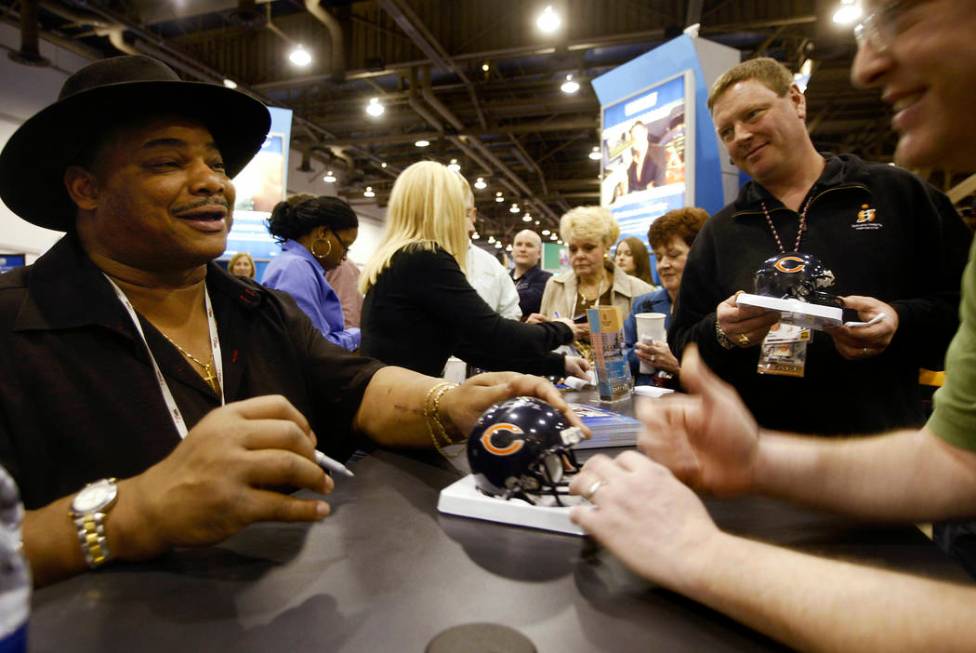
column 841, row 169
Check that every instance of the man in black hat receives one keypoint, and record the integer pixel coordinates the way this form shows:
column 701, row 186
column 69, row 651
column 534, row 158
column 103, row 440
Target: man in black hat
column 129, row 355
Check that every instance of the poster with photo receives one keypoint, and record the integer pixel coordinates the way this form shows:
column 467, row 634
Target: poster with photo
column 648, row 154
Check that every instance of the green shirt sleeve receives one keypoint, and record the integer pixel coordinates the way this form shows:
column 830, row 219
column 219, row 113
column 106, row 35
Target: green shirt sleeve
column 954, row 417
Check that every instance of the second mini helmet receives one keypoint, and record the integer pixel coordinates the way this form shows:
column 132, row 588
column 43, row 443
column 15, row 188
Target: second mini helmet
column 520, row 447
column 795, row 275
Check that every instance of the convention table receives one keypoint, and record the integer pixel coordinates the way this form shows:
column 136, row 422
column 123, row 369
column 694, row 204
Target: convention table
column 387, row 572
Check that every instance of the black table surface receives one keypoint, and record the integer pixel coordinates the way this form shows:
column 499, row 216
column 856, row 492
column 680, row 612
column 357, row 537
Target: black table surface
column 387, row 572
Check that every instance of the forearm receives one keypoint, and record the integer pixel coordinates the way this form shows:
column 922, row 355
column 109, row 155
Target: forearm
column 903, row 476
column 813, row 603
column 392, row 409
column 51, row 539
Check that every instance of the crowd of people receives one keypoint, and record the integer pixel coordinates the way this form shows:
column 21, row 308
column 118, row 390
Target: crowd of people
column 194, row 392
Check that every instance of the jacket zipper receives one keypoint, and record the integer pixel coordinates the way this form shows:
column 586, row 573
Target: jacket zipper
column 812, row 200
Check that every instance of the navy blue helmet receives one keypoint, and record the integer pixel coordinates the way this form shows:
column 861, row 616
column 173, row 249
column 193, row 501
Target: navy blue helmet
column 522, row 446
column 795, row 275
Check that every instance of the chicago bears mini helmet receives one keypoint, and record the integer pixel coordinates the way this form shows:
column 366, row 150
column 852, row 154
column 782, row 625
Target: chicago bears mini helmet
column 798, row 276
column 522, row 446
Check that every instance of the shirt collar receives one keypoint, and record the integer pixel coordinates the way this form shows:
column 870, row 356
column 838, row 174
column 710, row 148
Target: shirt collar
column 65, row 289
column 837, row 171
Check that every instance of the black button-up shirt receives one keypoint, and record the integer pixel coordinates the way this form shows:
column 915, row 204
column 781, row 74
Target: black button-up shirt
column 78, row 397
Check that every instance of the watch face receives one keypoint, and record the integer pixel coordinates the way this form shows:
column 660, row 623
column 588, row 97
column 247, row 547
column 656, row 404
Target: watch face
column 94, row 496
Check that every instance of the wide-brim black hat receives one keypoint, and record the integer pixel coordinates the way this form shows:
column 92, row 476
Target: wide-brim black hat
column 104, row 94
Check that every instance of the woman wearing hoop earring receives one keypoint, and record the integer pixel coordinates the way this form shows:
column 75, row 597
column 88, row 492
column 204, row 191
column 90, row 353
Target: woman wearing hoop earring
column 315, row 235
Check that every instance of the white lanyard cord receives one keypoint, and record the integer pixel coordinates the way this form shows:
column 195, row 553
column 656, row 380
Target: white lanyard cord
column 174, row 410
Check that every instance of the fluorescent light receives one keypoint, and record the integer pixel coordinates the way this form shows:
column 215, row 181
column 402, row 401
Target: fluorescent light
column 369, row 192
column 374, row 108
column 423, row 142
column 595, row 153
column 480, row 183
column 329, row 178
column 300, row 56
column 230, row 83
column 848, row 12
column 548, row 21
column 570, row 86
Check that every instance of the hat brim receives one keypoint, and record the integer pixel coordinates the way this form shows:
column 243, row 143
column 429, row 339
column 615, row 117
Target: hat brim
column 33, row 161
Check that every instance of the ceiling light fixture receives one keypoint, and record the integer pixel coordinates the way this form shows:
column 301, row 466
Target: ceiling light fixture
column 526, row 218
column 498, row 244
column 508, row 248
column 552, row 237
column 300, row 56
column 537, row 223
column 423, row 142
column 485, row 67
column 453, row 166
column 515, row 208
column 369, row 192
column 329, row 178
column 570, row 86
column 548, row 21
column 475, row 236
column 595, row 153
column 374, row 108
column 499, row 199
column 480, row 184
column 545, row 232
column 230, row 83
column 848, row 12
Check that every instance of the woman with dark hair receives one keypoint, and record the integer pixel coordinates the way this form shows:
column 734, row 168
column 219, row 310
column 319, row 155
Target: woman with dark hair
column 315, row 235
column 632, row 258
column 671, row 237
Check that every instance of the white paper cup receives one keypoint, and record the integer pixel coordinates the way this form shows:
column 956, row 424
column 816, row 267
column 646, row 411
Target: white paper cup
column 650, row 327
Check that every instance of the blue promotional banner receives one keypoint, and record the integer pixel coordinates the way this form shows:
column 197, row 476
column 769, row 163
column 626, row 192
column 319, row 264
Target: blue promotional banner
column 648, row 157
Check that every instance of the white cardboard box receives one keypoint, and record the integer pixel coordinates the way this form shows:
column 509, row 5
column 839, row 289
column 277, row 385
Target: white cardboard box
column 464, row 499
column 793, row 311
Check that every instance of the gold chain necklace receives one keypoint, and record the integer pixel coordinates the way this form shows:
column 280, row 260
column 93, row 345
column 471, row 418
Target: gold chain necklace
column 210, row 378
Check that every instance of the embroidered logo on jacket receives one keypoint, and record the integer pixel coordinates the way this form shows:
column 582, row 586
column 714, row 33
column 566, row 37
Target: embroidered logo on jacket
column 867, row 219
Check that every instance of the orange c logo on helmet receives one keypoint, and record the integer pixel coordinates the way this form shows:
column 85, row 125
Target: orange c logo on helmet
column 513, row 447
column 783, row 264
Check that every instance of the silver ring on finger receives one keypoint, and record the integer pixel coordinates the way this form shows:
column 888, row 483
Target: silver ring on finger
column 593, row 489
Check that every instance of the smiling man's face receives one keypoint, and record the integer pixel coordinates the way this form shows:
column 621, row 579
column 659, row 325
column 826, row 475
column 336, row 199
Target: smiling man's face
column 921, row 55
column 761, row 130
column 160, row 198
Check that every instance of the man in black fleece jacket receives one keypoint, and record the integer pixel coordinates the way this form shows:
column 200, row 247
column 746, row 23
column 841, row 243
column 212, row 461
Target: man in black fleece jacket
column 895, row 245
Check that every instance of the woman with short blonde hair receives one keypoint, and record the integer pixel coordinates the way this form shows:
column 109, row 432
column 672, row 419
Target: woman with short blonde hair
column 420, row 309
column 589, row 232
column 241, row 264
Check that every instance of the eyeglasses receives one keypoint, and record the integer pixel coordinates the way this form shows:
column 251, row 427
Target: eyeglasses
column 343, row 244
column 879, row 28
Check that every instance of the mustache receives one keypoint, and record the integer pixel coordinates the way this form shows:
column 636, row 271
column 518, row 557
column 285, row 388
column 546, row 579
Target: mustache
column 204, row 202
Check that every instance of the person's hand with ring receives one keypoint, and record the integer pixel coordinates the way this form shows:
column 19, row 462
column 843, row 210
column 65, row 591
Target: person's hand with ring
column 869, row 338
column 657, row 354
column 744, row 326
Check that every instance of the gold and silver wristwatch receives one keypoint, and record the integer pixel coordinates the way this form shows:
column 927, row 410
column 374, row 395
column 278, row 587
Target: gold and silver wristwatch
column 88, row 510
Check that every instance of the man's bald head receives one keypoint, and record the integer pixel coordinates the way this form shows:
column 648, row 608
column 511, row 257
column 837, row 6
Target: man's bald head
column 527, row 249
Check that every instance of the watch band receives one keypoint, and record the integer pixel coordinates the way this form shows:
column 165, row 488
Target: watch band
column 91, row 536
column 722, row 337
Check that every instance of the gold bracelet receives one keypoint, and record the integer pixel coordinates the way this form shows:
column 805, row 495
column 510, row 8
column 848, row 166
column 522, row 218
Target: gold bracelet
column 437, row 416
column 431, row 406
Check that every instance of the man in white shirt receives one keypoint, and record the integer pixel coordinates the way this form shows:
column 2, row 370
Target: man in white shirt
column 487, row 276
